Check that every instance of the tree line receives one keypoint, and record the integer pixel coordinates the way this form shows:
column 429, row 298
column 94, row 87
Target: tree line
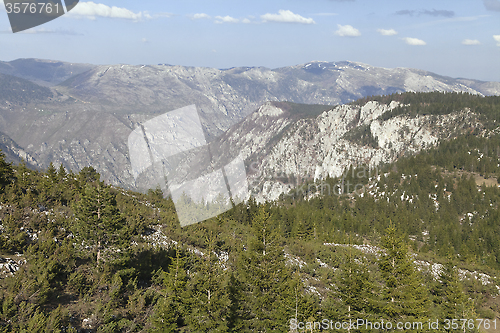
column 90, row 269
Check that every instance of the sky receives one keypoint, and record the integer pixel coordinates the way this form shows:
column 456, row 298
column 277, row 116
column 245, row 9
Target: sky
column 457, row 38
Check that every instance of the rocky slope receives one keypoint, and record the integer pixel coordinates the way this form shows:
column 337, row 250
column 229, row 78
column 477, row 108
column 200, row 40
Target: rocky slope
column 282, row 152
column 86, row 119
column 225, row 97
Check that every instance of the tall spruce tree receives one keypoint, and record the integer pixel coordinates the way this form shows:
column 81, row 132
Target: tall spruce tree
column 268, row 286
column 61, row 173
column 404, row 294
column 209, row 301
column 98, row 219
column 455, row 302
column 51, row 172
column 171, row 307
column 6, row 173
column 354, row 288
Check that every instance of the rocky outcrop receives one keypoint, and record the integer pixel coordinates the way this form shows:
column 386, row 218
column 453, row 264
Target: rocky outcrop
column 85, row 121
column 290, row 152
column 9, row 266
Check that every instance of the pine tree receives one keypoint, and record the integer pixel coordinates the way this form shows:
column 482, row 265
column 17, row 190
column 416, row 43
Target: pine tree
column 354, row 287
column 170, row 309
column 302, row 228
column 404, row 294
column 97, row 217
column 268, row 287
column 6, row 173
column 61, row 173
column 209, row 298
column 50, row 191
column 55, row 320
column 165, row 318
column 52, row 173
column 455, row 302
column 88, row 175
column 36, row 324
column 295, row 304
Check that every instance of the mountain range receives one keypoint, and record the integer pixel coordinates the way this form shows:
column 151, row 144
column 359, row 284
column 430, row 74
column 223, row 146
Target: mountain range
column 378, row 200
column 290, row 121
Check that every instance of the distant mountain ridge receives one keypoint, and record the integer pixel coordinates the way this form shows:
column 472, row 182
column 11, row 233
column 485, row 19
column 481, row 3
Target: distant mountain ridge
column 43, row 72
column 84, row 119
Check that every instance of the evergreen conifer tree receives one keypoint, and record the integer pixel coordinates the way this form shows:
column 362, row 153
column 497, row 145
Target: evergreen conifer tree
column 97, row 217
column 61, row 173
column 52, row 173
column 354, row 287
column 171, row 308
column 404, row 294
column 455, row 302
column 209, row 299
column 267, row 281
column 6, row 173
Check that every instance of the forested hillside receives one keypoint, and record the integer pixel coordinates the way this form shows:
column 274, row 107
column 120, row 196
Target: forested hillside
column 414, row 241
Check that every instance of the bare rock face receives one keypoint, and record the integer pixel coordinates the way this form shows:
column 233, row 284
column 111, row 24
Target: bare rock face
column 9, row 266
column 86, row 120
column 318, row 148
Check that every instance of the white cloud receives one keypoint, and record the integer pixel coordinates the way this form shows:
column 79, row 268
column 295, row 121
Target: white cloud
column 387, row 32
column 226, row 19
column 200, row 16
column 414, row 41
column 91, row 10
column 246, row 20
column 286, row 16
column 145, row 40
column 497, row 38
column 347, row 31
column 471, row 42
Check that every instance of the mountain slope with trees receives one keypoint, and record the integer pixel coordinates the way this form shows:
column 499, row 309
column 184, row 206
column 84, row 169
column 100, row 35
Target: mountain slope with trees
column 78, row 255
column 86, row 119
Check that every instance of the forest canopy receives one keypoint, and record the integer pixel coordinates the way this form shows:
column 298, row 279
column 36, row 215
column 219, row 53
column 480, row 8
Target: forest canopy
column 417, row 242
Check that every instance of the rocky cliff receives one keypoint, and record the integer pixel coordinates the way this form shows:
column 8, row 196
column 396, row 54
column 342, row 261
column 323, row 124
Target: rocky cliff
column 85, row 120
column 289, row 152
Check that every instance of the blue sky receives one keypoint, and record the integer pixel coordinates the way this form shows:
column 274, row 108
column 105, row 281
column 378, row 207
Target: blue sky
column 458, row 38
